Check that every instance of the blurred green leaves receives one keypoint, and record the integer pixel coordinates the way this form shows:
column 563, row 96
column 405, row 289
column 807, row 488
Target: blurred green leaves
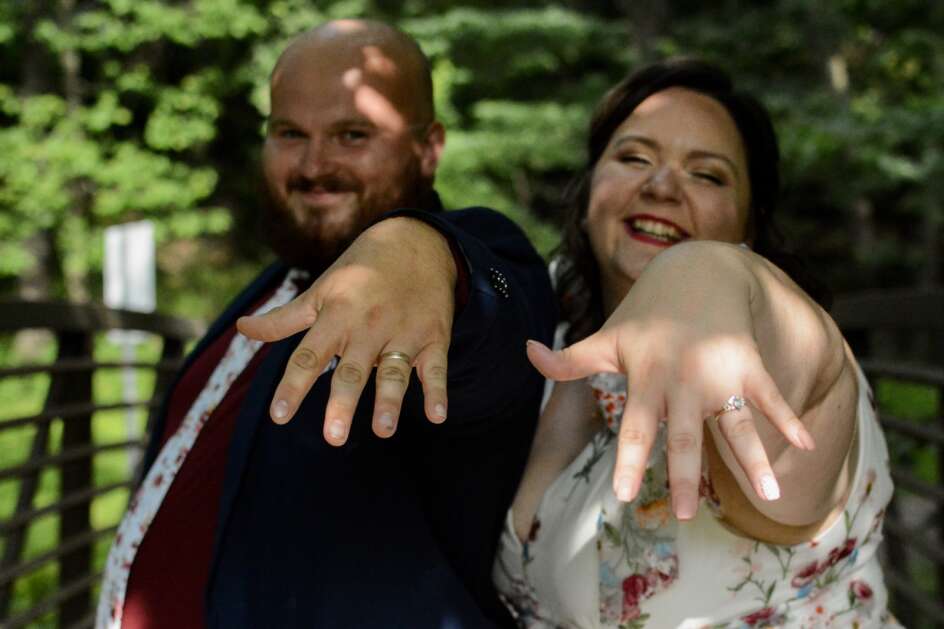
column 116, row 110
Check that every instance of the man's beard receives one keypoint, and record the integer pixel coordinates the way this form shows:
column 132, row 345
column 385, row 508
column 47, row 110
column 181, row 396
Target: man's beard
column 296, row 246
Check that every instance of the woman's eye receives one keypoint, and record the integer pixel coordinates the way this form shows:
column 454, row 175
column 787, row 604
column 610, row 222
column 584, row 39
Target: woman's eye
column 632, row 158
column 710, row 178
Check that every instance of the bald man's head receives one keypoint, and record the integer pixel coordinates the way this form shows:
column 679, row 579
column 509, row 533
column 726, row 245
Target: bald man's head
column 379, row 50
column 351, row 135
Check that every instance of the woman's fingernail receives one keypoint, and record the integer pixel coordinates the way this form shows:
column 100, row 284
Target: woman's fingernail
column 624, row 489
column 440, row 411
column 386, row 421
column 280, row 410
column 769, row 487
column 684, row 507
column 806, row 438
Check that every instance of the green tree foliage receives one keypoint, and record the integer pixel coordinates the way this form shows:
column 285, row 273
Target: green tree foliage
column 115, row 110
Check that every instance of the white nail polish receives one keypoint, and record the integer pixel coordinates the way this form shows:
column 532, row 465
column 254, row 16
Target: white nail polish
column 386, row 421
column 336, row 430
column 624, row 489
column 769, row 486
column 280, row 409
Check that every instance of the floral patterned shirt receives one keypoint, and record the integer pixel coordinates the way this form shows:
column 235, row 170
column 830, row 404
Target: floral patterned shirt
column 591, row 561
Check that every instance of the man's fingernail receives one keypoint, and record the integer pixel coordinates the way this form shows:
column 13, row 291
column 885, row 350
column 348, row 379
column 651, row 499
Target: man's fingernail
column 386, row 421
column 440, row 411
column 336, row 429
column 769, row 487
column 280, row 409
column 624, row 489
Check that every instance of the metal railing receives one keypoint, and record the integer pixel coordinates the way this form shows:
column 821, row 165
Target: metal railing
column 898, row 337
column 69, row 402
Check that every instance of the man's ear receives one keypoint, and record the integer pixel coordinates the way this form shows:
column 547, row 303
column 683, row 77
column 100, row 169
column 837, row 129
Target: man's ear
column 431, row 148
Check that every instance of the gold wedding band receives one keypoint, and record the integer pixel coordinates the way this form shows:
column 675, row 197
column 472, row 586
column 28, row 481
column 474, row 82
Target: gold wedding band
column 397, row 356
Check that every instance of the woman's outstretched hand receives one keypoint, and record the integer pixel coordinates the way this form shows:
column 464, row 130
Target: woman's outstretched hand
column 684, row 337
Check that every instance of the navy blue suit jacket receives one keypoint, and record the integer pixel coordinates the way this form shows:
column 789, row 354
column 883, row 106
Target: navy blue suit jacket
column 397, row 532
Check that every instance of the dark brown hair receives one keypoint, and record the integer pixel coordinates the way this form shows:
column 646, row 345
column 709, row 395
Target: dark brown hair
column 578, row 275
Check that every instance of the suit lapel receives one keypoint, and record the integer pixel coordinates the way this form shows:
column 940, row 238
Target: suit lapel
column 236, row 309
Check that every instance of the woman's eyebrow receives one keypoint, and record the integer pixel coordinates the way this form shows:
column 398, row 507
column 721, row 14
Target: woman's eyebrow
column 631, row 137
column 702, row 154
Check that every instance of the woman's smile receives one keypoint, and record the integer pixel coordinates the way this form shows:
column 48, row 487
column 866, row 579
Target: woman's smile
column 654, row 230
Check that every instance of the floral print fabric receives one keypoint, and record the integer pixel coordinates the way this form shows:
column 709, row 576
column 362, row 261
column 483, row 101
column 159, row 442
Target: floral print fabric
column 638, row 567
column 146, row 501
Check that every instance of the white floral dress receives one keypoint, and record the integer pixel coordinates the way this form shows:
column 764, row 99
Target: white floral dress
column 591, row 561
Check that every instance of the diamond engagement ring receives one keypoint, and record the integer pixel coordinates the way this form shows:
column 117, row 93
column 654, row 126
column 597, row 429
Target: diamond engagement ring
column 733, row 403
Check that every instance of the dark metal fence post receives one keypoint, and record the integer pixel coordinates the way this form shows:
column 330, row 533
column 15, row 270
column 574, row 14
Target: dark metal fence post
column 75, row 476
column 69, row 400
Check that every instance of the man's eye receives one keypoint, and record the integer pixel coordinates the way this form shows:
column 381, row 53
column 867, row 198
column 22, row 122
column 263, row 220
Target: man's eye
column 289, row 134
column 352, row 136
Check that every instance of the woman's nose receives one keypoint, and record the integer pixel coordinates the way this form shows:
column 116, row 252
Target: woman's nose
column 662, row 185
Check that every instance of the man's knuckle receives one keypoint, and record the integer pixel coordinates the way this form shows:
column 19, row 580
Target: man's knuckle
column 375, row 315
column 350, row 373
column 436, row 373
column 305, row 358
column 438, row 330
column 389, row 373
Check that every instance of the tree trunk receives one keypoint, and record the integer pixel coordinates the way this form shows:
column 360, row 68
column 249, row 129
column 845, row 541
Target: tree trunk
column 646, row 21
column 75, row 271
column 863, row 234
column 33, row 285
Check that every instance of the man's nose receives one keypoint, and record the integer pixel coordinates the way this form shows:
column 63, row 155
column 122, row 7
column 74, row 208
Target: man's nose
column 662, row 184
column 315, row 159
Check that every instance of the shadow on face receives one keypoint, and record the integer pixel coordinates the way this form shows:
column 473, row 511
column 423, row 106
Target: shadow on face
column 351, row 136
column 675, row 169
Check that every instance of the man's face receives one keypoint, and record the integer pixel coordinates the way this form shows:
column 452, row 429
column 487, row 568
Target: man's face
column 342, row 147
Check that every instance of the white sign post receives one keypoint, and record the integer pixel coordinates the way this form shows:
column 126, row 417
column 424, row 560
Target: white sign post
column 129, row 285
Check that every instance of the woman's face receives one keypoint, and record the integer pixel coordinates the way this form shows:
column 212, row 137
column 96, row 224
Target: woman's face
column 674, row 170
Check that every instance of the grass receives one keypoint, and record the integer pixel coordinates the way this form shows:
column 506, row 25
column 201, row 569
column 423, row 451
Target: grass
column 919, row 404
column 22, row 396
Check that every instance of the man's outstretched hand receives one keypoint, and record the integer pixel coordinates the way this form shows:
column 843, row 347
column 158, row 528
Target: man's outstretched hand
column 387, row 301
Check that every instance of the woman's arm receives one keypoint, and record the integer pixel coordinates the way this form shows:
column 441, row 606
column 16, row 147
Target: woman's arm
column 709, row 320
column 803, row 351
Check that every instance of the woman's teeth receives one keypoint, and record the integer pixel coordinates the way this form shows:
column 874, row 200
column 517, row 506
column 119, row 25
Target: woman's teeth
column 655, row 229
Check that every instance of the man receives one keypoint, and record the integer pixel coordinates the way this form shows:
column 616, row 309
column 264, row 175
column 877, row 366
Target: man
column 358, row 512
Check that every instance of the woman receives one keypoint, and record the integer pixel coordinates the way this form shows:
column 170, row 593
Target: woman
column 606, row 528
